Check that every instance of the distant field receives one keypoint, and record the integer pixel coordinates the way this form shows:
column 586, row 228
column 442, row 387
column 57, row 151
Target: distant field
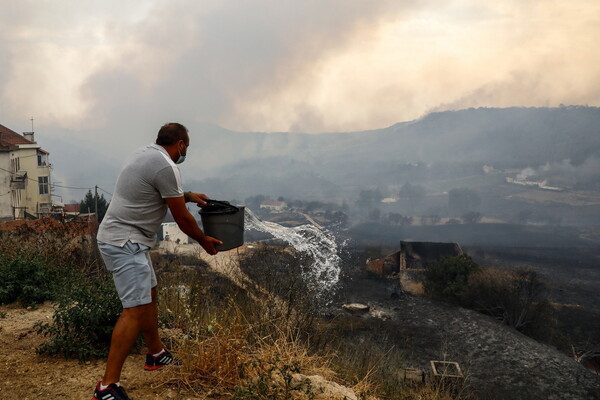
column 482, row 234
column 469, row 182
column 568, row 197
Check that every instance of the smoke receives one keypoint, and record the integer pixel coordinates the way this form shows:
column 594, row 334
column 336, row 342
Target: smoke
column 123, row 68
column 108, row 74
column 565, row 173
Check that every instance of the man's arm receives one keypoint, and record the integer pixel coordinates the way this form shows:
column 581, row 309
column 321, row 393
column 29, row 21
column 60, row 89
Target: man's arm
column 187, row 223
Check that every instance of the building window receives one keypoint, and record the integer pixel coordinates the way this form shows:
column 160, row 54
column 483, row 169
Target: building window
column 42, row 159
column 43, row 181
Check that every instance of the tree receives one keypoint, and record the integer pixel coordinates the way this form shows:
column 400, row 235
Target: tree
column 375, row 215
column 367, row 198
column 406, row 221
column 447, row 277
column 432, row 219
column 453, row 221
column 394, row 218
column 412, row 194
column 517, row 298
column 471, row 217
column 88, row 204
column 253, row 202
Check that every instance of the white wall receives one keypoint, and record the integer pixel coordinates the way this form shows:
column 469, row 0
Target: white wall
column 5, row 197
column 172, row 233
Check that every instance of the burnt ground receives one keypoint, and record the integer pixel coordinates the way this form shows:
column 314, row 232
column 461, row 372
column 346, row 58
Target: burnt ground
column 499, row 362
column 572, row 275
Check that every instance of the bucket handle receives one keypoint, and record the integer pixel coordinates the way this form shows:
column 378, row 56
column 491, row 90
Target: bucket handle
column 228, row 207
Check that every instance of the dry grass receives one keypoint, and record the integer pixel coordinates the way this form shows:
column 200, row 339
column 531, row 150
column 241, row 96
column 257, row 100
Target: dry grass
column 249, row 344
column 231, row 352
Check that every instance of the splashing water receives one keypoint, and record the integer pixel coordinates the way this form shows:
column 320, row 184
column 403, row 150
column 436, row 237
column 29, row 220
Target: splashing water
column 308, row 239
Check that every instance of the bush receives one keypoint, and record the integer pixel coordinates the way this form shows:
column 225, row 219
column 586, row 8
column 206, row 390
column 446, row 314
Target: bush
column 447, row 277
column 82, row 323
column 517, row 298
column 281, row 278
column 28, row 280
column 61, row 244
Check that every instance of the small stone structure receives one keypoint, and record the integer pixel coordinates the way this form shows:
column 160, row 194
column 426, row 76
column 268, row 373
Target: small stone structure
column 413, row 255
column 421, row 254
column 448, row 374
column 412, row 375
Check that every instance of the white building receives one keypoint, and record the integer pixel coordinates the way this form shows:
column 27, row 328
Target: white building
column 24, row 176
column 172, row 233
column 273, row 205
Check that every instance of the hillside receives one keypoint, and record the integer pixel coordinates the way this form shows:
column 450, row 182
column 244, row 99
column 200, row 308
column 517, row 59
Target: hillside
column 510, row 137
column 440, row 145
column 559, row 144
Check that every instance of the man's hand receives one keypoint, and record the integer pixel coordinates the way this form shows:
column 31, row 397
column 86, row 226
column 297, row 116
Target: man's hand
column 208, row 243
column 197, row 198
column 187, row 223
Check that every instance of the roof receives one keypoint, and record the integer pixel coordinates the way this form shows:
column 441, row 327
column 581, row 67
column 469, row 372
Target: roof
column 74, row 208
column 273, row 203
column 8, row 137
column 429, row 251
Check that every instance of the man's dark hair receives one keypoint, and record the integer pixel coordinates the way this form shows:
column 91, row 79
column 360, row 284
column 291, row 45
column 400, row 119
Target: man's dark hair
column 171, row 133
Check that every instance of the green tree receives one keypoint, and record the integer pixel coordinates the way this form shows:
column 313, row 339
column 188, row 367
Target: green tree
column 88, row 204
column 447, row 277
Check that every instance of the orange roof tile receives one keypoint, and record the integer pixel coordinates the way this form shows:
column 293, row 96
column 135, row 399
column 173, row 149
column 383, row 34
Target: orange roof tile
column 9, row 137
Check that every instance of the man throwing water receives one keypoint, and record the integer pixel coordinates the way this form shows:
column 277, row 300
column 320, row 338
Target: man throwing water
column 148, row 184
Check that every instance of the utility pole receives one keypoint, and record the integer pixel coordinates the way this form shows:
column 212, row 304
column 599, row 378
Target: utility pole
column 96, row 202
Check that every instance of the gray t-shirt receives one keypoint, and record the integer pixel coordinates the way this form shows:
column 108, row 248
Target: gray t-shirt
column 138, row 207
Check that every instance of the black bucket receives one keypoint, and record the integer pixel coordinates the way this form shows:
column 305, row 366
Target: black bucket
column 225, row 222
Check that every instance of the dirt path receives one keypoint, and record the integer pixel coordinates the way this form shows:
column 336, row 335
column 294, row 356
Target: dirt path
column 24, row 375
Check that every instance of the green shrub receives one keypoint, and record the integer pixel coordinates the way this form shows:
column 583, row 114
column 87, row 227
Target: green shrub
column 82, row 324
column 28, row 280
column 447, row 277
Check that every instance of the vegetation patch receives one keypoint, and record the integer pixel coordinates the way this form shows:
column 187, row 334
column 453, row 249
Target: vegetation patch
column 85, row 314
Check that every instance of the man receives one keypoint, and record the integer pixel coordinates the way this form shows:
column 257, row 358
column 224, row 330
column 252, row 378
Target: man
column 148, row 183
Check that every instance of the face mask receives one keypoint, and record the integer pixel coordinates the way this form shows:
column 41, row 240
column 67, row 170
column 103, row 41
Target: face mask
column 180, row 159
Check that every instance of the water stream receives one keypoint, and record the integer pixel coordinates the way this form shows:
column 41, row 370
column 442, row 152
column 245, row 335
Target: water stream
column 320, row 245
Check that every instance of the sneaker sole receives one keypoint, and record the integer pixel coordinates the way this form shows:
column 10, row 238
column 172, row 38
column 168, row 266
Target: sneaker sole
column 153, row 368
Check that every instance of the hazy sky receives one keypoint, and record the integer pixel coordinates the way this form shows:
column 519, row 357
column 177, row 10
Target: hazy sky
column 100, row 77
column 120, row 68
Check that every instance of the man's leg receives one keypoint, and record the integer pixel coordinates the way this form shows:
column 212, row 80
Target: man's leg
column 150, row 327
column 126, row 331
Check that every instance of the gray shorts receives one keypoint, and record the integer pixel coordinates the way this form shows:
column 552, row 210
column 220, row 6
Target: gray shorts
column 132, row 272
